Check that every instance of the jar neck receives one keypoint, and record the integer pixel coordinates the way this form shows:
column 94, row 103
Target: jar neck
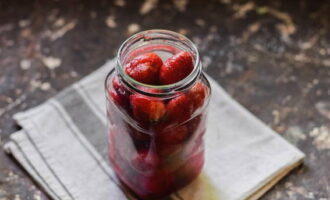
column 165, row 44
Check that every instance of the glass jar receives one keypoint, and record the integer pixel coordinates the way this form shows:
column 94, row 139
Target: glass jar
column 155, row 132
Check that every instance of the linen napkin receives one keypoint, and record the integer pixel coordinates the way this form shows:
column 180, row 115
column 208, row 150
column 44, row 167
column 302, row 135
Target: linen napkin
column 63, row 146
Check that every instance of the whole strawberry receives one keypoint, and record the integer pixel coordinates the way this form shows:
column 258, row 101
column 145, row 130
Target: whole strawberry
column 176, row 68
column 120, row 94
column 198, row 93
column 179, row 109
column 145, row 68
column 174, row 135
column 170, row 140
column 147, row 109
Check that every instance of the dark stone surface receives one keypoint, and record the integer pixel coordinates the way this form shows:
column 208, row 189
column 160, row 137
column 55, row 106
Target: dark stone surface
column 273, row 57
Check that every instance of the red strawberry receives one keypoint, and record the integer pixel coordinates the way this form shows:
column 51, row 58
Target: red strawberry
column 169, row 141
column 174, row 135
column 116, row 84
column 147, row 109
column 117, row 98
column 145, row 68
column 198, row 93
column 176, row 68
column 119, row 93
column 179, row 109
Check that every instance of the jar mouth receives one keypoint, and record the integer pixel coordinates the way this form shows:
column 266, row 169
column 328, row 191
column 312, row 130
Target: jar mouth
column 169, row 38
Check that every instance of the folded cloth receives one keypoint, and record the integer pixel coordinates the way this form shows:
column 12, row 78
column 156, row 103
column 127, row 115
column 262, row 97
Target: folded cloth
column 63, row 146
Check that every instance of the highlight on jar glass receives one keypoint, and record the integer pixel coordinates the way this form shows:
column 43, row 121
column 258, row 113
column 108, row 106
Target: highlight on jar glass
column 157, row 99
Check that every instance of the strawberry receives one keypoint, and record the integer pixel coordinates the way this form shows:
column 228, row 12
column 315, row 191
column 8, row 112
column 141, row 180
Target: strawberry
column 116, row 83
column 145, row 68
column 147, row 109
column 169, row 141
column 198, row 93
column 179, row 109
column 174, row 135
column 117, row 98
column 119, row 93
column 176, row 68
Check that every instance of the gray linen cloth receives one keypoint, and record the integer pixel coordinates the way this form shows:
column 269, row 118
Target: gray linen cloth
column 63, row 146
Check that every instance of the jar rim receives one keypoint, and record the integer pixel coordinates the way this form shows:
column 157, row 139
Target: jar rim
column 180, row 85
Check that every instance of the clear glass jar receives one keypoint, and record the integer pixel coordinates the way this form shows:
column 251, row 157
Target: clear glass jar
column 158, row 149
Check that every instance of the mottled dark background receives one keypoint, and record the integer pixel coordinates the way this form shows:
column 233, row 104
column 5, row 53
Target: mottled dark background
column 272, row 56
